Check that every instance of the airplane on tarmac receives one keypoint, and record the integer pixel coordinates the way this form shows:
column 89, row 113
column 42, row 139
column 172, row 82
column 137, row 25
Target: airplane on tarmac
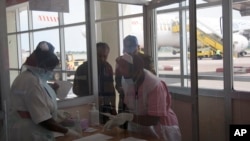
column 208, row 34
column 168, row 32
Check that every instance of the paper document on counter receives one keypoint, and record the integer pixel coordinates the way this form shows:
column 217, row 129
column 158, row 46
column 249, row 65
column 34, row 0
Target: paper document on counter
column 57, row 134
column 95, row 137
column 132, row 139
column 63, row 90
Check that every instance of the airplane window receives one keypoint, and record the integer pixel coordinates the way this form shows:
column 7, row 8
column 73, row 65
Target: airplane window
column 76, row 12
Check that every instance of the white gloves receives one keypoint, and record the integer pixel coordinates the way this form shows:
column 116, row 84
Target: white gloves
column 73, row 133
column 118, row 120
column 62, row 116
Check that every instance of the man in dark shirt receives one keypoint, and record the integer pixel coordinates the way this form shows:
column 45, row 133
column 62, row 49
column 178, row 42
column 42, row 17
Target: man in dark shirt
column 105, row 81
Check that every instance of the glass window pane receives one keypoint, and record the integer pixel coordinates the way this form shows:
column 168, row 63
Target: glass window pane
column 210, row 47
column 44, row 19
column 241, row 58
column 51, row 36
column 13, row 51
column 76, row 51
column 133, row 26
column 75, row 47
column 127, row 9
column 11, row 21
column 76, row 12
column 23, row 15
column 109, row 28
column 105, row 10
column 168, row 48
column 25, row 48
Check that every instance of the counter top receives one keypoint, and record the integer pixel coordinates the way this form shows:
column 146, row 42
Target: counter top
column 116, row 133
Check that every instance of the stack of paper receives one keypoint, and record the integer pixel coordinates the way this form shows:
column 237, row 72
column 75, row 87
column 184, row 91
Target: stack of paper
column 63, row 90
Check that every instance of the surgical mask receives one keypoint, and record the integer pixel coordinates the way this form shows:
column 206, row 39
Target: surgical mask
column 42, row 73
column 47, row 75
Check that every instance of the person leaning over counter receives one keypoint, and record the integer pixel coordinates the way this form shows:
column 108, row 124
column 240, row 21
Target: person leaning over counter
column 131, row 46
column 148, row 102
column 33, row 107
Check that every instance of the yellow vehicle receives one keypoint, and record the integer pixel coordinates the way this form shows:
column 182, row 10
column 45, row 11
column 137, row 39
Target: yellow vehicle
column 72, row 63
column 204, row 52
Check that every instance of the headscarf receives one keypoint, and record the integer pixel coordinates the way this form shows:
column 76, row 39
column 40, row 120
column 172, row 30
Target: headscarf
column 43, row 56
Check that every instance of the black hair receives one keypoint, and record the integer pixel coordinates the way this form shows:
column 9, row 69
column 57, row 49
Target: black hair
column 102, row 45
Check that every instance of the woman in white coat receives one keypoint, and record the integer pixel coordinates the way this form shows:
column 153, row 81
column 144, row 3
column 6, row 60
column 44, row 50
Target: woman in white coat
column 33, row 109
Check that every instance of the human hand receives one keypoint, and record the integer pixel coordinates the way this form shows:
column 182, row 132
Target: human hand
column 55, row 86
column 118, row 120
column 62, row 116
column 73, row 133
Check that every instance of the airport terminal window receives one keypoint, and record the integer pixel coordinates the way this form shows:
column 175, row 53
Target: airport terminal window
column 210, row 47
column 76, row 12
column 42, row 19
column 51, row 36
column 173, row 68
column 13, row 51
column 25, row 47
column 11, row 21
column 23, row 16
column 75, row 49
column 241, row 65
column 133, row 26
column 18, row 17
column 109, row 28
column 127, row 9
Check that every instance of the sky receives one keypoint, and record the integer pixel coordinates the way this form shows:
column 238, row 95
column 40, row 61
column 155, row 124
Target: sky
column 75, row 40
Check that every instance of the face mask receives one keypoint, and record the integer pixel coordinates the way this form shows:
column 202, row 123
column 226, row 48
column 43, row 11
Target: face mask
column 48, row 75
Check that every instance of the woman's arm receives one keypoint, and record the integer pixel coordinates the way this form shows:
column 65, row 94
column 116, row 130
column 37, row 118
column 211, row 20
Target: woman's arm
column 52, row 125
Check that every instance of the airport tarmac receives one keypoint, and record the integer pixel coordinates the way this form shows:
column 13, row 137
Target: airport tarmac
column 209, row 78
column 210, row 72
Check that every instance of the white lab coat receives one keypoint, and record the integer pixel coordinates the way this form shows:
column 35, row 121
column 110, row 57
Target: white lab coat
column 30, row 93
